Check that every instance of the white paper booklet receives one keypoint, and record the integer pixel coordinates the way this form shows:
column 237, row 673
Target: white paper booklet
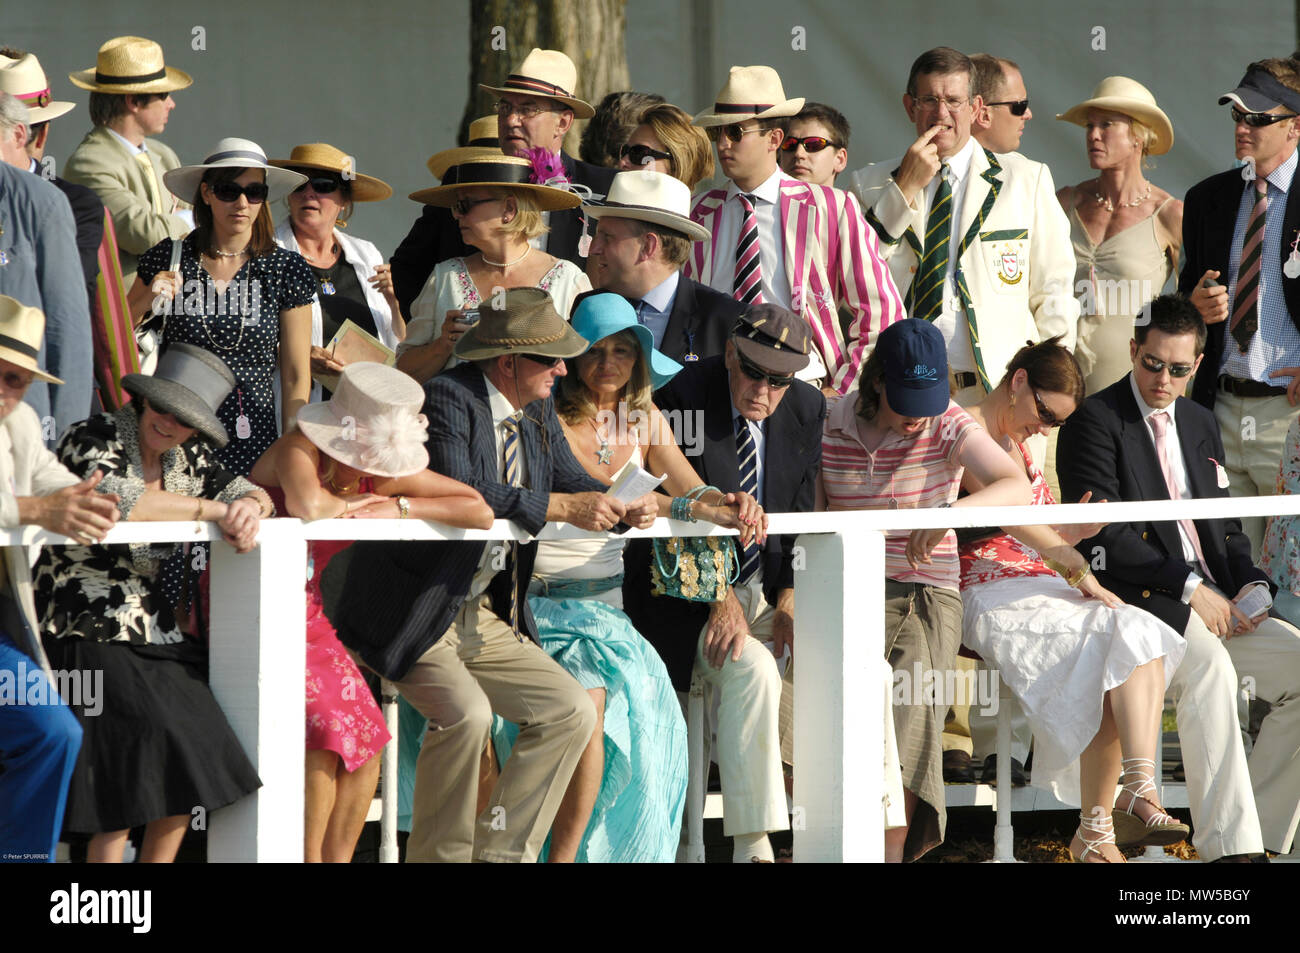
column 632, row 483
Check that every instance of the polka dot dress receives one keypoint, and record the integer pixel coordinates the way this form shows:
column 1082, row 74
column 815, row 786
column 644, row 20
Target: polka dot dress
column 242, row 327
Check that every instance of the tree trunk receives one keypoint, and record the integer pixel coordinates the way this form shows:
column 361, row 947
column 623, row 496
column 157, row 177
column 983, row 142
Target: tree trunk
column 590, row 32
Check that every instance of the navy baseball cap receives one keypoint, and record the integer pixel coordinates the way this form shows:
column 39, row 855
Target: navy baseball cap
column 916, row 368
column 1259, row 91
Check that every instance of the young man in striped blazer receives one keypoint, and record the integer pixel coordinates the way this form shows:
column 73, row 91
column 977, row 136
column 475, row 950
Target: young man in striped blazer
column 776, row 240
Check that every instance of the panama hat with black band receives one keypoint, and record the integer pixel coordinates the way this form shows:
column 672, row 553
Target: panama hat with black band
column 482, row 142
column 547, row 73
column 21, row 330
column 189, row 383
column 495, row 170
column 652, row 197
column 526, row 324
column 130, row 64
column 236, row 153
column 751, row 92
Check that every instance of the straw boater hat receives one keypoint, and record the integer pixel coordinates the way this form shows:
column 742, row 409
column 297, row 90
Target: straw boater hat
column 130, row 64
column 751, row 92
column 493, row 169
column 320, row 155
column 234, row 153
column 372, row 423
column 528, row 324
column 21, row 330
column 654, row 197
column 24, row 79
column 546, row 73
column 482, row 141
column 189, row 383
column 1123, row 95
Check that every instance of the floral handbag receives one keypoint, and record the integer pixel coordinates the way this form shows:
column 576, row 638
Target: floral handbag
column 694, row 568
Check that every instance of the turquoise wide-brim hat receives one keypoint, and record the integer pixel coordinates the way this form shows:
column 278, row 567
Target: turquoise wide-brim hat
column 600, row 315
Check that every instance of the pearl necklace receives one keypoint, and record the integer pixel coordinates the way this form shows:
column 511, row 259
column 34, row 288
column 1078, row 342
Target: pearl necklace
column 218, row 253
column 507, row 264
column 1110, row 206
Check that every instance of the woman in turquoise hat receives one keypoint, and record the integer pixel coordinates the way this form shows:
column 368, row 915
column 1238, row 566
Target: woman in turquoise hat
column 625, row 801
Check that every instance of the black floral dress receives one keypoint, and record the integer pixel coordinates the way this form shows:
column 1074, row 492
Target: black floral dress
column 242, row 327
column 155, row 742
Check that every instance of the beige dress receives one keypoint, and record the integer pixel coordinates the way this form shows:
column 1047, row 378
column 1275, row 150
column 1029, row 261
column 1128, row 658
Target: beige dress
column 1115, row 279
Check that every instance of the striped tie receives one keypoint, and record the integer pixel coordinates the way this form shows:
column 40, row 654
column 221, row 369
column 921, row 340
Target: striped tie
column 747, row 287
column 927, row 297
column 747, row 458
column 511, row 426
column 1245, row 313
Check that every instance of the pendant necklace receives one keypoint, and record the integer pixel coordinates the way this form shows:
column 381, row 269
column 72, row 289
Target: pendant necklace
column 604, row 455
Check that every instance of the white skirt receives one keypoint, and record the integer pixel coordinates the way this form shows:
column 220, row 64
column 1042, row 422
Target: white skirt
column 1060, row 652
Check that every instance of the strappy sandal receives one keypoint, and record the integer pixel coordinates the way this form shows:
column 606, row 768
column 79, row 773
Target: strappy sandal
column 1104, row 829
column 1159, row 829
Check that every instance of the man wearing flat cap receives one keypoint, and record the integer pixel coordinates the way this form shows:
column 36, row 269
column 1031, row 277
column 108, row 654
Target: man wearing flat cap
column 130, row 102
column 535, row 108
column 763, row 435
column 449, row 623
column 643, row 239
column 1239, row 234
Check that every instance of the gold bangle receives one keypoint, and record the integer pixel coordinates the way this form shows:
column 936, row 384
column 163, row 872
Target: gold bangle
column 1078, row 577
column 403, row 507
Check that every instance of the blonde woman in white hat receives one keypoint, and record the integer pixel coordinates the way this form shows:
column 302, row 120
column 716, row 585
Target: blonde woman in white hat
column 237, row 293
column 499, row 212
column 1126, row 231
column 359, row 454
column 355, row 284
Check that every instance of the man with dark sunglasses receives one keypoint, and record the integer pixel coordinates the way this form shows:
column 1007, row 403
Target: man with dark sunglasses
column 816, row 145
column 1139, row 439
column 1001, row 110
column 535, row 108
column 762, row 434
column 130, row 103
column 1239, row 231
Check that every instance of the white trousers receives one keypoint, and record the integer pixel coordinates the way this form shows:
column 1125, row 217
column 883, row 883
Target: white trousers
column 1240, row 805
column 748, row 748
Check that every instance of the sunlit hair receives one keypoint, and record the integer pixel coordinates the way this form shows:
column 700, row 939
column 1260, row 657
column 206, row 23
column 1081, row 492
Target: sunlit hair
column 940, row 61
column 616, row 118
column 263, row 238
column 527, row 221
column 1049, row 367
column 692, row 155
column 575, row 403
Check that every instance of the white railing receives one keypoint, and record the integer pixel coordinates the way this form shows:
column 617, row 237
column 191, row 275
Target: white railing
column 258, row 638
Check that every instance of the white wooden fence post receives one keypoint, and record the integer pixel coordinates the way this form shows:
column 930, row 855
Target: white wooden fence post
column 258, row 670
column 838, row 737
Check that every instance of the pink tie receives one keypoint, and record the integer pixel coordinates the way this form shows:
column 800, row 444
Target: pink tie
column 1160, row 426
column 747, row 287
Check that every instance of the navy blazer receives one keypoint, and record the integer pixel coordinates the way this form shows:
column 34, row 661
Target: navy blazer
column 435, row 236
column 700, row 321
column 88, row 211
column 1106, row 447
column 1209, row 219
column 396, row 599
column 792, row 457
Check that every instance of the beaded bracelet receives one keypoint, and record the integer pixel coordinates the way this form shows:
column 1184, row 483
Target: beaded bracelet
column 403, row 507
column 681, row 510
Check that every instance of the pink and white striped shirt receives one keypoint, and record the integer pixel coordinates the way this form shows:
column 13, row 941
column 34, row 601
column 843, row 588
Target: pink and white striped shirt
column 902, row 473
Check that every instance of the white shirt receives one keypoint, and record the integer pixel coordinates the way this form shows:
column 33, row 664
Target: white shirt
column 771, row 242
column 130, row 146
column 952, row 321
column 502, row 410
column 1178, row 469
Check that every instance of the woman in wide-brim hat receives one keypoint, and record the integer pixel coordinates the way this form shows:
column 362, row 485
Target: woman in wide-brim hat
column 625, row 800
column 236, row 293
column 1126, row 231
column 354, row 282
column 359, row 454
column 498, row 210
column 157, row 744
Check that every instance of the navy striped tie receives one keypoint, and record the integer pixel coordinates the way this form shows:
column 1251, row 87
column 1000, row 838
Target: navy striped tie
column 747, row 460
column 511, row 442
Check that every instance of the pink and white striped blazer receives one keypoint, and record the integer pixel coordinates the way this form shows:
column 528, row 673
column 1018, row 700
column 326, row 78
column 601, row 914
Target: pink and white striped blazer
column 832, row 260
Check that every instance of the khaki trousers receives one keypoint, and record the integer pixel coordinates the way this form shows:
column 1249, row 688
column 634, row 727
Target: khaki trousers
column 476, row 668
column 1254, row 435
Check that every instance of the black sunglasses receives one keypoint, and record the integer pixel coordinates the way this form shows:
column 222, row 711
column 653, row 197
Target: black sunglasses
column 1017, row 107
column 321, row 185
column 255, row 192
column 544, row 361
column 1155, row 366
column 463, row 207
column 1256, row 120
column 809, row 143
column 734, row 131
column 15, row 381
column 642, row 155
column 1045, row 414
column 756, row 373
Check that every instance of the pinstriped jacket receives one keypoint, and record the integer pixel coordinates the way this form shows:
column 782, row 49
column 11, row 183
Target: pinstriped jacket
column 832, row 260
column 393, row 601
